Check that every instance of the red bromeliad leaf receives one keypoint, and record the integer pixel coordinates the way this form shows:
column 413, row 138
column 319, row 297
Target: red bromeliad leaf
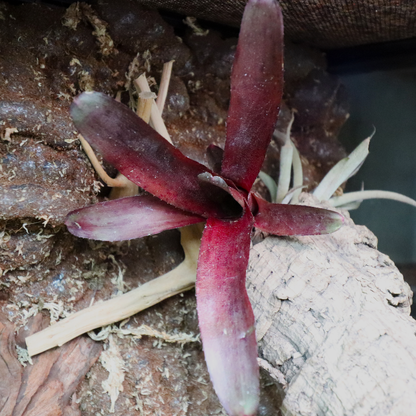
column 281, row 219
column 225, row 316
column 146, row 158
column 127, row 218
column 256, row 90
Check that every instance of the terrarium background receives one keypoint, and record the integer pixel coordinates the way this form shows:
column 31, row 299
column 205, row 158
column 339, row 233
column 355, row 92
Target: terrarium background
column 330, row 26
column 321, row 23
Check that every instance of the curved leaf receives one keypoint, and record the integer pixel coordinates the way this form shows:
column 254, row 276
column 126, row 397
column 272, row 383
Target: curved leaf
column 127, row 218
column 256, row 91
column 342, row 171
column 146, row 158
column 282, row 219
column 359, row 196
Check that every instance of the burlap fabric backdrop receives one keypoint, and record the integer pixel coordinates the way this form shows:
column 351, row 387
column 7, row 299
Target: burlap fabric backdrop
column 322, row 23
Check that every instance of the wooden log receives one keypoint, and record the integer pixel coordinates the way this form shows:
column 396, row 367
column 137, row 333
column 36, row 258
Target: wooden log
column 333, row 323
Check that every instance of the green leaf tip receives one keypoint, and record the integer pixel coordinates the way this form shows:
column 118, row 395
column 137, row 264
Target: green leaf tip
column 335, row 222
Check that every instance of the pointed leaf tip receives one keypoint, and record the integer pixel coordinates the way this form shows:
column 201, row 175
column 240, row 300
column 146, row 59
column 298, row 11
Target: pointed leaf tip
column 342, row 171
column 335, row 221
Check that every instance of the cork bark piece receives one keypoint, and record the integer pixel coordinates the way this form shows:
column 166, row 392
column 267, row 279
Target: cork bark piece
column 333, row 323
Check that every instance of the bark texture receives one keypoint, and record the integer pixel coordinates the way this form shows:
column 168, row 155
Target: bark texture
column 333, row 324
column 48, row 385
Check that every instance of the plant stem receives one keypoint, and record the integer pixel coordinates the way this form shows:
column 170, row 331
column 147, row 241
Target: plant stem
column 157, row 123
column 164, row 85
column 145, row 105
column 97, row 165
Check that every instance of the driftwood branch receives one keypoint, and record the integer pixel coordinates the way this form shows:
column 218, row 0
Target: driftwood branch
column 333, row 318
column 176, row 281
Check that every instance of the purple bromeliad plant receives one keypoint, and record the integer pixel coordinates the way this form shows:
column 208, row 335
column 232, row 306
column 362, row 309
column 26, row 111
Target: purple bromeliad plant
column 186, row 192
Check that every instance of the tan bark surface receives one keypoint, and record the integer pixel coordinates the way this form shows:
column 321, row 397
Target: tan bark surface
column 333, row 324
